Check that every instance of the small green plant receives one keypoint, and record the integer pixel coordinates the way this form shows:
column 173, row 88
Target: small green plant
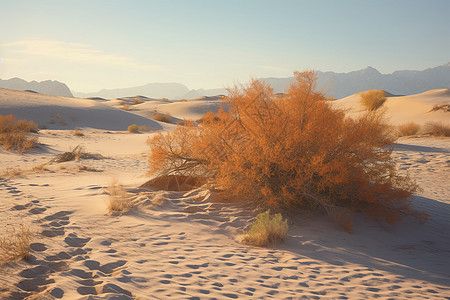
column 267, row 230
column 133, row 128
column 408, row 129
column 373, row 99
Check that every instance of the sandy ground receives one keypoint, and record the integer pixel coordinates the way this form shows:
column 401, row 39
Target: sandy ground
column 186, row 246
column 182, row 245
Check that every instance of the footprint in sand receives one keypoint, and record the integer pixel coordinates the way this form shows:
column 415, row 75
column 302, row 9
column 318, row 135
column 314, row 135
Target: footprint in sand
column 74, row 241
column 106, row 269
column 37, row 210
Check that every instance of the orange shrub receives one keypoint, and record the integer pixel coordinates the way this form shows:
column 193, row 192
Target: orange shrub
column 290, row 152
column 373, row 99
column 13, row 133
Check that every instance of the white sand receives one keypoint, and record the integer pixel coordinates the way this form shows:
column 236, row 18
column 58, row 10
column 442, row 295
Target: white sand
column 185, row 247
column 405, row 109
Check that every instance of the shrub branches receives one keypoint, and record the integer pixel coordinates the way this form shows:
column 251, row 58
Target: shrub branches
column 13, row 133
column 289, row 152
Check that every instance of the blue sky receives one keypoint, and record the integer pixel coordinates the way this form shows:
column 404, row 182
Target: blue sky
column 95, row 44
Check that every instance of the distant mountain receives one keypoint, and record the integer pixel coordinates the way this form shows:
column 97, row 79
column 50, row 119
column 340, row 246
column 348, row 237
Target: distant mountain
column 340, row 85
column 337, row 85
column 48, row 87
column 154, row 90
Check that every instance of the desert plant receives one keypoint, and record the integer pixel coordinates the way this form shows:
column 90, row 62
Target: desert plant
column 14, row 134
column 437, row 129
column 293, row 152
column 125, row 107
column 266, row 230
column 162, row 118
column 16, row 245
column 373, row 99
column 137, row 101
column 77, row 132
column 443, row 107
column 119, row 200
column 133, row 128
column 75, row 154
column 408, row 129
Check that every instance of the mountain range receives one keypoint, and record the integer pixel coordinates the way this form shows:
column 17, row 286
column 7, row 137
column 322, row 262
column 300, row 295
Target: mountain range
column 337, row 85
column 48, row 87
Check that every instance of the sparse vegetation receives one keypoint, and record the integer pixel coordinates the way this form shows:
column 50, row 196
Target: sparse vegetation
column 291, row 153
column 266, row 230
column 77, row 132
column 373, row 99
column 162, row 118
column 133, row 128
column 137, row 101
column 75, row 154
column 16, row 245
column 408, row 129
column 125, row 106
column 119, row 200
column 13, row 172
column 14, row 134
column 437, row 129
column 443, row 107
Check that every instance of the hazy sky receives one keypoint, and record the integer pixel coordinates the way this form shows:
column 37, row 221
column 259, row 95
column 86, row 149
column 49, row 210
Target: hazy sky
column 95, row 44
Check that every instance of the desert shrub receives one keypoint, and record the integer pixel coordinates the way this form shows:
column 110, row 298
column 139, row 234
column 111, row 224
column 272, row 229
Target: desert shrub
column 294, row 152
column 137, row 101
column 437, row 129
column 75, row 154
column 133, row 128
column 14, row 134
column 125, row 107
column 266, row 230
column 77, row 132
column 408, row 129
column 162, row 118
column 119, row 200
column 373, row 99
column 15, row 245
column 443, row 107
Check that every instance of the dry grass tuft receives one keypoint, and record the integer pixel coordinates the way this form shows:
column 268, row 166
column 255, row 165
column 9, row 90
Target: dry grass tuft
column 13, row 133
column 408, row 129
column 267, row 230
column 16, row 245
column 437, row 129
column 119, row 200
column 162, row 118
column 373, row 99
column 14, row 172
column 75, row 154
column 443, row 107
column 77, row 132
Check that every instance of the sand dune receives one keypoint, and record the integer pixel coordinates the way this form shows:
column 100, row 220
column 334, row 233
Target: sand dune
column 404, row 109
column 182, row 244
column 55, row 112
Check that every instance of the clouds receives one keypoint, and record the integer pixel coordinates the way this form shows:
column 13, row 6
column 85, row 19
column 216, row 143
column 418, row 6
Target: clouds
column 73, row 53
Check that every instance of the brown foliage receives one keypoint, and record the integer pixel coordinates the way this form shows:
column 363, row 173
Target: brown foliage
column 289, row 152
column 13, row 133
column 373, row 99
column 437, row 129
column 408, row 129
